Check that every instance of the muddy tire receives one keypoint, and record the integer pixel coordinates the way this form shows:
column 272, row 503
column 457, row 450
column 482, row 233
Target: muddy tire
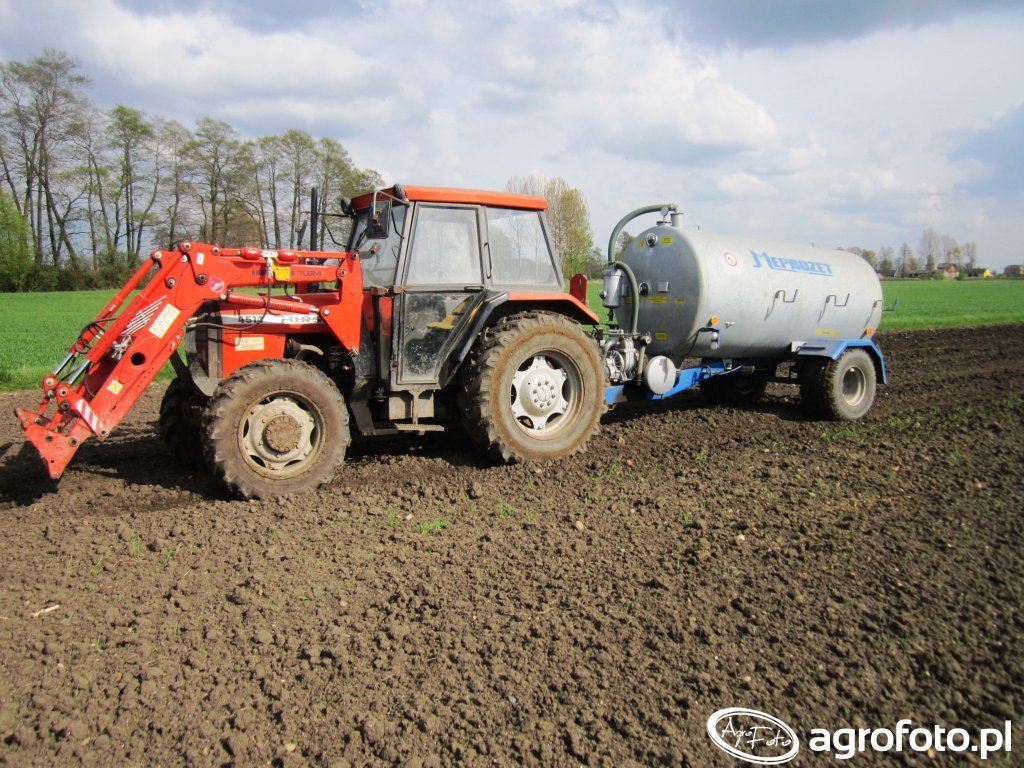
column 276, row 427
column 181, row 423
column 733, row 389
column 532, row 389
column 838, row 390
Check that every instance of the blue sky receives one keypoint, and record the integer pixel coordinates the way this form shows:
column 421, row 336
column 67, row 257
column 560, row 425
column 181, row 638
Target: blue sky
column 841, row 123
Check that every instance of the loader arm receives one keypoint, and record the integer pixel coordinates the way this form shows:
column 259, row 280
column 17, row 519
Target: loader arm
column 119, row 353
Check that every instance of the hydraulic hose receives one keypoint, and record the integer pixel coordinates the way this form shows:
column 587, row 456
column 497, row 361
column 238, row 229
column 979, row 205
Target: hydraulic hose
column 633, row 287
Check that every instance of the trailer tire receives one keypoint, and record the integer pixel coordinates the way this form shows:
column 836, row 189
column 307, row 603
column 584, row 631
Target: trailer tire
column 532, row 389
column 838, row 390
column 276, row 427
column 181, row 419
column 733, row 389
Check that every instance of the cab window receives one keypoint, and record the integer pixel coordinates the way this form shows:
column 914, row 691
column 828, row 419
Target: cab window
column 445, row 249
column 519, row 249
column 379, row 257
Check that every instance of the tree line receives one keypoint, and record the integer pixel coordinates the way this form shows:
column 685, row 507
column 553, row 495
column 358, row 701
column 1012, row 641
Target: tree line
column 85, row 193
column 933, row 250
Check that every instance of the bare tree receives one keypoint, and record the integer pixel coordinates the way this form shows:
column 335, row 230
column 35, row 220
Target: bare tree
column 887, row 261
column 929, row 248
column 300, row 161
column 568, row 217
column 176, row 190
column 213, row 152
column 970, row 252
column 949, row 251
column 907, row 262
column 41, row 110
column 138, row 157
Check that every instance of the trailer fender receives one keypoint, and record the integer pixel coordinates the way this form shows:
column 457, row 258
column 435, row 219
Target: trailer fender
column 835, row 349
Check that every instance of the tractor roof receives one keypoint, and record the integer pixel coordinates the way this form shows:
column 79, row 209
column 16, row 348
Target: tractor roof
column 464, row 196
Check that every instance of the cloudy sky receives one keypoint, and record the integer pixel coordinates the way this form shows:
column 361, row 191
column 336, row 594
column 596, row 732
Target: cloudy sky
column 834, row 121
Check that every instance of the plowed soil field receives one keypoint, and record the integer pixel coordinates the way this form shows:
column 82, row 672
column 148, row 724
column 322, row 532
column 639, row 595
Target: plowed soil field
column 427, row 608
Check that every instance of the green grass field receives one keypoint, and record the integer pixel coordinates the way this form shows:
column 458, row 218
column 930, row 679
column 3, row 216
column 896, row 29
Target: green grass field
column 928, row 303
column 952, row 303
column 37, row 328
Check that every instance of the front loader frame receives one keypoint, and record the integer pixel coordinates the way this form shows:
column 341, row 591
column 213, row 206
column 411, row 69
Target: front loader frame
column 119, row 353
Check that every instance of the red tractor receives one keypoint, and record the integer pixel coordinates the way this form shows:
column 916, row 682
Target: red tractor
column 448, row 307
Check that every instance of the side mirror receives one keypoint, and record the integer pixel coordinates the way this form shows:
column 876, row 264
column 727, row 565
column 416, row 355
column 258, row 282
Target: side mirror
column 378, row 225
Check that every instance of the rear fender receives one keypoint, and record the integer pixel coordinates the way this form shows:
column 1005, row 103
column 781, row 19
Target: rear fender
column 503, row 304
column 835, row 349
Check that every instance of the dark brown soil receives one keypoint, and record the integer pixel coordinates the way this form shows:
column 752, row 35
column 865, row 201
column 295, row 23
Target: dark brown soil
column 428, row 609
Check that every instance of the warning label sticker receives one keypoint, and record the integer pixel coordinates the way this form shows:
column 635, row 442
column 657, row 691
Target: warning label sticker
column 249, row 344
column 164, row 320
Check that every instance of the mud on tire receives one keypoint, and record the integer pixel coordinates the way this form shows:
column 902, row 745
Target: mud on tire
column 181, row 417
column 276, row 427
column 532, row 389
column 838, row 390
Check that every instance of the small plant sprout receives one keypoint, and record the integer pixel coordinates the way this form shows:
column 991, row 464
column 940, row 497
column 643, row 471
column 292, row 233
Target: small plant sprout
column 434, row 526
column 135, row 548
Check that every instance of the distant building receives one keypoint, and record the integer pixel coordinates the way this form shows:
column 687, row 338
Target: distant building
column 978, row 272
column 1014, row 270
column 949, row 270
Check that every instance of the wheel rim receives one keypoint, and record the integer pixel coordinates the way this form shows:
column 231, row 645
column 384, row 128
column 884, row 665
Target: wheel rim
column 545, row 393
column 854, row 386
column 280, row 434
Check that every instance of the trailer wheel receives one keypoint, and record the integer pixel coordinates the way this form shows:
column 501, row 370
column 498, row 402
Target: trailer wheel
column 181, row 416
column 276, row 427
column 733, row 389
column 838, row 390
column 532, row 389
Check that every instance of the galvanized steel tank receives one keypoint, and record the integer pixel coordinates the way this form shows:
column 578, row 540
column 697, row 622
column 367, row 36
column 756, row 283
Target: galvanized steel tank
column 723, row 296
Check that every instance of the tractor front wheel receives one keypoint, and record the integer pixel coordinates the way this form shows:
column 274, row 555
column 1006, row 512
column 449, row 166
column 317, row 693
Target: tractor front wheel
column 181, row 418
column 532, row 389
column 276, row 427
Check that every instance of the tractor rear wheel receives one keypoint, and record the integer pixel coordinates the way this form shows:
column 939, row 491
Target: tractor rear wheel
column 532, row 389
column 276, row 427
column 838, row 390
column 181, row 418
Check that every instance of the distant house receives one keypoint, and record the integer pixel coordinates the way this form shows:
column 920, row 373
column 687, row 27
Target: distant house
column 949, row 270
column 1014, row 270
column 978, row 272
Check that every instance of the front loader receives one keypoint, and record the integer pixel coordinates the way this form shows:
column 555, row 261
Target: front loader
column 446, row 308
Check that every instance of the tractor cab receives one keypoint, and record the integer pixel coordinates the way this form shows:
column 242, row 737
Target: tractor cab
column 439, row 264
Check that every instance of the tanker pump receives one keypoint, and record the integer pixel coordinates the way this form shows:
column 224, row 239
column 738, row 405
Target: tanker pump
column 730, row 314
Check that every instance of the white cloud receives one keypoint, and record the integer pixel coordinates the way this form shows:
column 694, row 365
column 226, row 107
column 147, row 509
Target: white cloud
column 855, row 141
column 744, row 185
column 205, row 53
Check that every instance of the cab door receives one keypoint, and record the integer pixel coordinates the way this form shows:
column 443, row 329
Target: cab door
column 440, row 289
